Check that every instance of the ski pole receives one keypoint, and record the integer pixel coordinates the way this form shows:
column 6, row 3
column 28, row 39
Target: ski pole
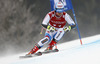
column 42, row 30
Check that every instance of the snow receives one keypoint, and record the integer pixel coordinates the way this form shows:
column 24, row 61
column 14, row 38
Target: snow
column 69, row 53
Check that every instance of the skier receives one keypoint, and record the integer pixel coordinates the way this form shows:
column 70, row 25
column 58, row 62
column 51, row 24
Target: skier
column 55, row 24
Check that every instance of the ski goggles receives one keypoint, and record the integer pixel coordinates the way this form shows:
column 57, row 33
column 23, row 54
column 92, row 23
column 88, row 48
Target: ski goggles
column 59, row 10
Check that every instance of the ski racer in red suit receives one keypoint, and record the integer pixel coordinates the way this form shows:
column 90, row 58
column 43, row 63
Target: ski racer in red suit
column 55, row 24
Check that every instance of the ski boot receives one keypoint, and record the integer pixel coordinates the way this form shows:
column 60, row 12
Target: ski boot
column 51, row 45
column 34, row 50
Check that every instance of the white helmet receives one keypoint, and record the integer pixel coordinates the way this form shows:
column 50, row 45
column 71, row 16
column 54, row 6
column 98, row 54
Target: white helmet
column 59, row 7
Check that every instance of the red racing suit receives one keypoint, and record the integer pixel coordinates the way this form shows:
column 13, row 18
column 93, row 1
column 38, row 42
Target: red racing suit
column 58, row 23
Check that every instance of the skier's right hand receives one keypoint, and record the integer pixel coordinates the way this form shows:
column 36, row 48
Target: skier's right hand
column 50, row 28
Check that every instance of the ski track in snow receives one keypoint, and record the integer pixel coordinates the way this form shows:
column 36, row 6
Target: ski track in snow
column 69, row 53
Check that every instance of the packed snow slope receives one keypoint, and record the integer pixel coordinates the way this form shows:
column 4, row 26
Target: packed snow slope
column 69, row 53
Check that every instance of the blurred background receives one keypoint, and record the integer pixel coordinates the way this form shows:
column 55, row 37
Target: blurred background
column 20, row 23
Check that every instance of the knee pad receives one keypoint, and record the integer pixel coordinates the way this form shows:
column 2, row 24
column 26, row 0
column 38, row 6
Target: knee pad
column 59, row 35
column 43, row 41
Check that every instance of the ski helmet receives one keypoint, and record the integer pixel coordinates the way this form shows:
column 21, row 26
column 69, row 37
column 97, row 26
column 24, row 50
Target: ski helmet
column 59, row 7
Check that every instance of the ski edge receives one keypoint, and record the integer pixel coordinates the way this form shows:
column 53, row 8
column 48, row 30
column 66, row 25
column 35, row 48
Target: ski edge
column 39, row 53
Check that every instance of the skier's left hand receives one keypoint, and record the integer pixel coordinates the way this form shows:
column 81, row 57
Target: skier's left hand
column 67, row 28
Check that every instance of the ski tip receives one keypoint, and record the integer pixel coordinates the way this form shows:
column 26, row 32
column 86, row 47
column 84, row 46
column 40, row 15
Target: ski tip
column 26, row 56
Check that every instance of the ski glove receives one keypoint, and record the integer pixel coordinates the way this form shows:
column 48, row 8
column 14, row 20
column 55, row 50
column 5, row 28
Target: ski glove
column 50, row 28
column 67, row 28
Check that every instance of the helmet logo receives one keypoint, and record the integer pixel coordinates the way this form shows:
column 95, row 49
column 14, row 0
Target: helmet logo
column 60, row 6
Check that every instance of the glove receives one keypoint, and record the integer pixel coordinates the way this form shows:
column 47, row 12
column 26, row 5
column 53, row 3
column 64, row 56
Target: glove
column 50, row 28
column 67, row 28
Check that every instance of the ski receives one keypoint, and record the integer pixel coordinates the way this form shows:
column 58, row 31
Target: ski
column 31, row 55
column 39, row 53
column 49, row 51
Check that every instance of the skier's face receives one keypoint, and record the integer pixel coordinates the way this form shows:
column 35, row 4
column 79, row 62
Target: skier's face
column 58, row 14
